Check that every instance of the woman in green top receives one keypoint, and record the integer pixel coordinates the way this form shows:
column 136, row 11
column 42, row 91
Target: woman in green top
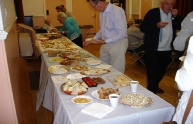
column 71, row 28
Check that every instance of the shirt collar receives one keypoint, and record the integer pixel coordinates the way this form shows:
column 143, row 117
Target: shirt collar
column 108, row 9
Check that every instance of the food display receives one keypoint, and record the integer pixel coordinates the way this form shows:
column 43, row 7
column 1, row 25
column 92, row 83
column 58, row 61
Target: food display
column 89, row 82
column 98, row 80
column 80, row 68
column 58, row 69
column 60, row 43
column 69, row 62
column 73, row 87
column 82, row 99
column 95, row 71
column 103, row 93
column 136, row 100
column 87, row 59
column 53, row 53
column 119, row 80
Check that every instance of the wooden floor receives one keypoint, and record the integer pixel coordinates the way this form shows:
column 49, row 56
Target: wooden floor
column 136, row 72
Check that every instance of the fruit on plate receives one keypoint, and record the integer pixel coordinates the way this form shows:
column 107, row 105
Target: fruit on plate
column 73, row 87
column 89, row 82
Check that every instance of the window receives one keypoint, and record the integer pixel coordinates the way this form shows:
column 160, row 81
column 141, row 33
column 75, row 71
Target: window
column 120, row 3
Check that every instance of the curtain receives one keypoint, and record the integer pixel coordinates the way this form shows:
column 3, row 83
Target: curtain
column 19, row 11
column 184, row 7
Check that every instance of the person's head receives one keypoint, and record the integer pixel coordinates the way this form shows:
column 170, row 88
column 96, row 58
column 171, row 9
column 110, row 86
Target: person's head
column 138, row 22
column 47, row 21
column 167, row 5
column 61, row 8
column 99, row 5
column 130, row 22
column 61, row 17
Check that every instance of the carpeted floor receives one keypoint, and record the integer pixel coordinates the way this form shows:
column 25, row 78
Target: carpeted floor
column 34, row 77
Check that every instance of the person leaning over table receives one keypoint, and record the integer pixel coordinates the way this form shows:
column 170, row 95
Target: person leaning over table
column 112, row 34
column 47, row 24
column 159, row 26
column 184, row 80
column 185, row 32
column 71, row 28
column 62, row 8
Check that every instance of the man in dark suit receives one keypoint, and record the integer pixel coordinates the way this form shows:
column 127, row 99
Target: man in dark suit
column 159, row 26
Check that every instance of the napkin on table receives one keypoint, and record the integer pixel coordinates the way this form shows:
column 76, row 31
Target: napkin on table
column 97, row 110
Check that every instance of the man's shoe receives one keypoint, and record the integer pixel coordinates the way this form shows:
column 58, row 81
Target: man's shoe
column 159, row 90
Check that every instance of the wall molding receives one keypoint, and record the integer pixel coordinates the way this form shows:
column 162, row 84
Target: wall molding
column 4, row 33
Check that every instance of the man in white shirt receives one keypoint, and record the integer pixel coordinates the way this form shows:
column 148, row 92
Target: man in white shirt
column 112, row 34
column 185, row 32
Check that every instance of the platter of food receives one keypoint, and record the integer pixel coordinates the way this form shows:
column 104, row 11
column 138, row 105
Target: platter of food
column 69, row 62
column 79, row 68
column 89, row 82
column 93, row 62
column 103, row 93
column 56, row 59
column 73, row 87
column 58, row 69
column 136, row 100
column 82, row 99
column 95, row 71
column 119, row 79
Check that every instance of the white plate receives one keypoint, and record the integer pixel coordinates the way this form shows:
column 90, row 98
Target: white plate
column 96, row 95
column 82, row 96
column 94, row 62
column 182, row 58
column 58, row 69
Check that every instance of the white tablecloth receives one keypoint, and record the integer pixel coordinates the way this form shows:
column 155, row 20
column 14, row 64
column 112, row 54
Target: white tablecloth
column 66, row 112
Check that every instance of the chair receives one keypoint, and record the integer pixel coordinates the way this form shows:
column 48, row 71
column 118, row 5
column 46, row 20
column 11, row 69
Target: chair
column 137, row 51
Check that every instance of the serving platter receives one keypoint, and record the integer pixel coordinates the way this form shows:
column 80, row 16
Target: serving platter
column 95, row 71
column 79, row 68
column 58, row 69
column 93, row 62
column 96, row 95
column 119, row 79
column 73, row 87
column 136, row 100
column 56, row 59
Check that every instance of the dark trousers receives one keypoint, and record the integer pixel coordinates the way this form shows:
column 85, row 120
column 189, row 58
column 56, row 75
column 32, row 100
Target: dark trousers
column 156, row 64
column 78, row 41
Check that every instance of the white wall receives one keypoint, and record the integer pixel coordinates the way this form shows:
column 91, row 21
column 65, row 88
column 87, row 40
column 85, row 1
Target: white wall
column 7, row 13
column 34, row 7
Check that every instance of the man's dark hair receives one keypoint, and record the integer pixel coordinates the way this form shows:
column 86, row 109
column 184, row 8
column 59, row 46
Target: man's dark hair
column 95, row 1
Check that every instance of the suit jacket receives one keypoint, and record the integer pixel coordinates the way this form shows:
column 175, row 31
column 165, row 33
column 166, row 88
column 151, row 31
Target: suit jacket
column 149, row 27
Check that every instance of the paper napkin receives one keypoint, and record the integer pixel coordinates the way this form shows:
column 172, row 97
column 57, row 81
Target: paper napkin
column 97, row 110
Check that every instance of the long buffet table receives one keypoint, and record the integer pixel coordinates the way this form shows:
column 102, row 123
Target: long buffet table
column 66, row 112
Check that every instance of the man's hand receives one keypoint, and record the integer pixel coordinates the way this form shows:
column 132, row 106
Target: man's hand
column 87, row 42
column 174, row 12
column 162, row 24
